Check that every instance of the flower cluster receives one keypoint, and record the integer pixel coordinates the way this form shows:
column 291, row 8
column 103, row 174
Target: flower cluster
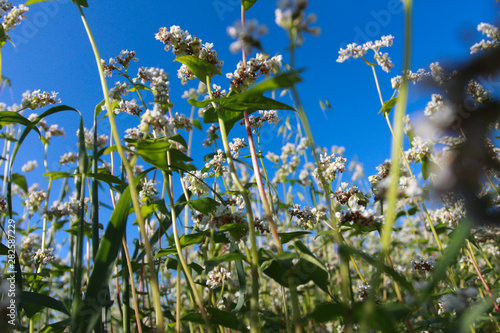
column 148, row 189
column 363, row 292
column 182, row 43
column 102, row 139
column 354, row 51
column 246, row 35
column 358, row 216
column 419, row 149
column 307, row 216
column 270, row 116
column 194, row 182
column 123, row 59
column 491, row 32
column 129, row 107
column 156, row 119
column 418, row 264
column 34, row 201
column 329, row 165
column 344, row 193
column 44, row 256
column 246, row 74
column 29, row 166
column 37, row 100
column 410, row 76
column 68, row 158
column 291, row 16
column 14, row 16
column 217, row 276
column 477, row 92
column 217, row 163
column 158, row 82
column 236, row 146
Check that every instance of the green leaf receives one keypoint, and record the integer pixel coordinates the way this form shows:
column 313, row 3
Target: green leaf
column 328, row 311
column 178, row 138
column 288, row 236
column 87, row 315
column 57, row 175
column 185, row 241
column 58, row 327
column 387, row 106
column 218, row 317
column 106, row 178
column 199, row 67
column 4, row 250
column 10, row 117
column 39, row 300
column 153, row 151
column 204, row 205
column 32, row 2
column 427, row 167
column 210, row 264
column 20, row 181
column 311, row 266
column 248, row 3
column 285, row 80
column 82, row 3
column 172, row 264
column 197, row 124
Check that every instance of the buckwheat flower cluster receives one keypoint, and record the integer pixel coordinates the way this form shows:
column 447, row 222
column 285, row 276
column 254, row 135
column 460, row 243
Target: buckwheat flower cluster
column 44, row 256
column 158, row 82
column 269, row 116
column 217, row 276
column 102, row 139
column 37, row 100
column 68, row 158
column 435, row 106
column 290, row 161
column 212, row 136
column 419, row 149
column 235, row 201
column 329, row 165
column 418, row 264
column 182, row 122
column 451, row 214
column 363, row 292
column 118, row 91
column 148, row 189
column 307, row 216
column 491, row 32
column 3, row 204
column 29, row 166
column 195, row 184
column 458, row 301
column 129, row 107
column 14, row 16
column 291, row 15
column 358, row 217
column 57, row 210
column 344, row 193
column 157, row 120
column 408, row 187
column 123, row 59
column 236, row 146
column 354, row 51
column 34, row 201
column 222, row 216
column 247, row 36
column 262, row 225
column 217, row 163
column 244, row 76
column 411, row 77
column 477, row 92
column 182, row 43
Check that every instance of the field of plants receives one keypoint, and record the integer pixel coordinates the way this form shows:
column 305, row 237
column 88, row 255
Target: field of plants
column 177, row 224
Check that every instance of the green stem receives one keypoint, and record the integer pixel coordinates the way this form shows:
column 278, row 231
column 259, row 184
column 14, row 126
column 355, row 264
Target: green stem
column 130, row 176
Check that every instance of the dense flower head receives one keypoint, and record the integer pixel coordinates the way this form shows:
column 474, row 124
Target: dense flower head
column 236, row 146
column 157, row 120
column 148, row 189
column 269, row 116
column 217, row 163
column 158, row 82
column 491, row 32
column 182, row 43
column 477, row 92
column 330, row 166
column 68, row 158
column 291, row 15
column 115, row 64
column 195, row 183
column 354, row 51
column 308, row 217
column 358, row 216
column 14, row 16
column 246, row 74
column 419, row 264
column 414, row 77
column 29, row 166
column 217, row 276
column 37, row 100
column 102, row 139
column 247, row 36
column 131, row 107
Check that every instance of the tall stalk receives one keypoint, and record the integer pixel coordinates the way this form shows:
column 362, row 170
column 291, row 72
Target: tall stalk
column 132, row 185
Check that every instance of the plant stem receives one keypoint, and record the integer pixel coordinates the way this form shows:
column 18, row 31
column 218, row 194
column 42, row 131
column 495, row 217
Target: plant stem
column 131, row 181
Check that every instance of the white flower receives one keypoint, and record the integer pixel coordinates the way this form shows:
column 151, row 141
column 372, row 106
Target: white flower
column 195, row 182
column 217, row 276
column 29, row 166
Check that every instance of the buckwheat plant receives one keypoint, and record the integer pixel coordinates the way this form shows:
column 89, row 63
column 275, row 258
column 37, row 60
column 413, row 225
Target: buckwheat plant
column 186, row 220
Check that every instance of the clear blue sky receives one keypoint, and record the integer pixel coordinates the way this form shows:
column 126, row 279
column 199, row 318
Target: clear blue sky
column 53, row 53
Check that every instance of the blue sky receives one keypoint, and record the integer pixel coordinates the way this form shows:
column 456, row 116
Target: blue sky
column 52, row 53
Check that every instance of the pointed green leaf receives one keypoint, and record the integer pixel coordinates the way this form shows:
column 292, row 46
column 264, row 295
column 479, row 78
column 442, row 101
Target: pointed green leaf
column 10, row 117
column 387, row 106
column 288, row 236
column 210, row 264
column 204, row 205
column 199, row 67
column 218, row 317
column 328, row 311
column 39, row 300
column 248, row 3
